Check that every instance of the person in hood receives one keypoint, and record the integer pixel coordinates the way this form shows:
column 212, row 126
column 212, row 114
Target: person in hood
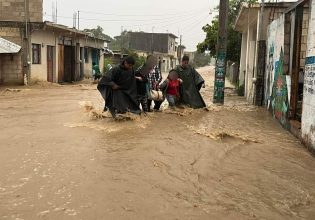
column 119, row 89
column 191, row 85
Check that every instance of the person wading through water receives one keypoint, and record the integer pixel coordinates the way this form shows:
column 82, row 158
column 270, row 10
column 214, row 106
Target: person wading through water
column 191, row 85
column 119, row 90
column 154, row 79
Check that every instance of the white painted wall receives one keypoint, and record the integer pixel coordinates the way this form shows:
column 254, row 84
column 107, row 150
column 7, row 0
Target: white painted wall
column 243, row 59
column 44, row 38
column 308, row 114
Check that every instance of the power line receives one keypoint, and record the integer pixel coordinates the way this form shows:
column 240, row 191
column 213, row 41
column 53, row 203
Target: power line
column 135, row 15
column 163, row 20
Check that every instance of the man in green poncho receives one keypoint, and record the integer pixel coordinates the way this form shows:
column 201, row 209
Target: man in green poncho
column 192, row 83
column 96, row 72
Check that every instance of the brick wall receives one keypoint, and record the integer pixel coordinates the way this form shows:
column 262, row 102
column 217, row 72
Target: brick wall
column 11, row 67
column 14, row 10
column 305, row 27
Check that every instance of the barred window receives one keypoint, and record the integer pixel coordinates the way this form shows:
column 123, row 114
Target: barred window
column 36, row 53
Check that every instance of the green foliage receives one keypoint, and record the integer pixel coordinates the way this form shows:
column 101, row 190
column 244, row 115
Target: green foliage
column 98, row 32
column 233, row 39
column 201, row 59
column 107, row 62
column 140, row 60
column 119, row 42
column 240, row 89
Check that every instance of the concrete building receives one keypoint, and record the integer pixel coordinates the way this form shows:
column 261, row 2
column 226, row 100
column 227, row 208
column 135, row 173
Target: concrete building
column 289, row 88
column 248, row 24
column 162, row 45
column 308, row 112
column 48, row 51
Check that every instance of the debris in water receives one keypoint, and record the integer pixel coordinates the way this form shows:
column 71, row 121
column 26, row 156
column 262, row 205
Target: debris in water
column 7, row 90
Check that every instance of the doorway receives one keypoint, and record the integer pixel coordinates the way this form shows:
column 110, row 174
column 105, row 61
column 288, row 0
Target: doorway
column 50, row 63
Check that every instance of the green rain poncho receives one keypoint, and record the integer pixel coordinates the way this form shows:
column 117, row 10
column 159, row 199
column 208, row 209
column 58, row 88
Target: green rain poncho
column 192, row 82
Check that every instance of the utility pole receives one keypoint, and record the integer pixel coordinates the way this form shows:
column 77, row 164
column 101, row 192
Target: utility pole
column 78, row 20
column 152, row 41
column 26, row 44
column 56, row 12
column 180, row 49
column 220, row 67
column 121, row 42
column 259, row 86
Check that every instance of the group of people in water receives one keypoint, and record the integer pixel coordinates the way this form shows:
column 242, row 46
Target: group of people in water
column 127, row 90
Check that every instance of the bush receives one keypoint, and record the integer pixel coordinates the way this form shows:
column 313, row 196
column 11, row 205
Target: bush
column 107, row 62
column 240, row 89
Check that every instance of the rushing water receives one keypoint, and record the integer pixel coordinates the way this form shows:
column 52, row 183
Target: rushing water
column 62, row 158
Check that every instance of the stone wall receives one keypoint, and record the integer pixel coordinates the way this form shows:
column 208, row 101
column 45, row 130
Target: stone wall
column 14, row 10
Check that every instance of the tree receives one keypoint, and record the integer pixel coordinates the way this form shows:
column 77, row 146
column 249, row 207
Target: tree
column 120, row 42
column 98, row 32
column 201, row 59
column 234, row 38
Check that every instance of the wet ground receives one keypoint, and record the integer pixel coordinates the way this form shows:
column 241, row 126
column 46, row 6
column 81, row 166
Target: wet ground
column 60, row 160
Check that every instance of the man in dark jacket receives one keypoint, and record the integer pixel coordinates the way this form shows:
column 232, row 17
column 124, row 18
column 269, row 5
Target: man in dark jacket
column 119, row 90
column 191, row 85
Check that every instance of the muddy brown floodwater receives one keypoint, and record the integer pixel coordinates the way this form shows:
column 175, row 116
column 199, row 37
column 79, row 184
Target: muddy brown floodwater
column 61, row 159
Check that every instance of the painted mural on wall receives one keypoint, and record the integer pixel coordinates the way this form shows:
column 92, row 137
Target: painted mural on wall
column 279, row 95
column 308, row 114
column 275, row 43
column 218, row 96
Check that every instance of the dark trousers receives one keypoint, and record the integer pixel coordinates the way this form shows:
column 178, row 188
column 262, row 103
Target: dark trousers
column 143, row 101
column 157, row 105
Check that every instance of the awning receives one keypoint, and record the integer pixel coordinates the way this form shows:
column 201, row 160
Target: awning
column 8, row 47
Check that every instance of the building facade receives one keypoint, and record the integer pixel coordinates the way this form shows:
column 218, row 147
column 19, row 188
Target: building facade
column 289, row 88
column 248, row 23
column 161, row 45
column 49, row 52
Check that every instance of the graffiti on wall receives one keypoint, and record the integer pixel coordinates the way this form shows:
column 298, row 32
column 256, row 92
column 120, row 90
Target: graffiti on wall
column 279, row 97
column 308, row 119
column 309, row 77
column 219, row 77
column 275, row 43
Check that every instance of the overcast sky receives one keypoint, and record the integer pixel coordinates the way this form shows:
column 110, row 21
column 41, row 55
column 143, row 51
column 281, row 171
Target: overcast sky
column 185, row 17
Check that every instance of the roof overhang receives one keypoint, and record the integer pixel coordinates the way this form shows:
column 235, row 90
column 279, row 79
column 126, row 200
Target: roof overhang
column 248, row 13
column 295, row 5
column 8, row 46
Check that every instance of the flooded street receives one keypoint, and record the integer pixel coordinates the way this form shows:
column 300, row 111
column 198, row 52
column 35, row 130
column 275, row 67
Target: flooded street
column 229, row 162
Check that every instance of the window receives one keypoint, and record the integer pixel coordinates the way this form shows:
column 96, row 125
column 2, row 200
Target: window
column 36, row 55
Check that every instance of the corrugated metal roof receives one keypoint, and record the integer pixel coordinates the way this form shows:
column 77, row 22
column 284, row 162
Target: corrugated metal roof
column 8, row 47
